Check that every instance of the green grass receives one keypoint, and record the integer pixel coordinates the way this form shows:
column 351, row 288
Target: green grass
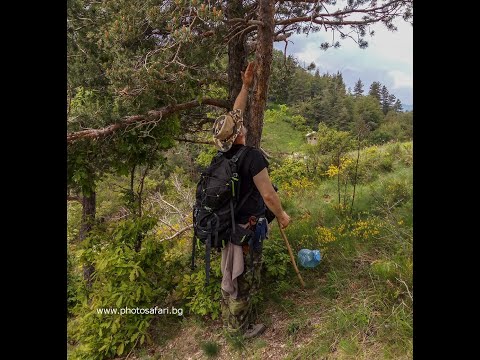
column 358, row 302
column 367, row 282
column 361, row 293
column 279, row 137
column 210, row 348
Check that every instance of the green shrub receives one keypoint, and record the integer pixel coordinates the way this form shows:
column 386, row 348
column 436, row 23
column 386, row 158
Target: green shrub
column 332, row 145
column 275, row 258
column 386, row 164
column 206, row 155
column 74, row 282
column 201, row 299
column 123, row 278
column 291, row 176
column 74, row 218
column 398, row 191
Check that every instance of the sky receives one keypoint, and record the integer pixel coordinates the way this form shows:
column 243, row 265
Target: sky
column 387, row 59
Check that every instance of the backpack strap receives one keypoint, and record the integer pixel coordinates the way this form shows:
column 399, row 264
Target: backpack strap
column 208, row 247
column 239, row 156
column 193, row 252
column 239, row 153
column 247, row 195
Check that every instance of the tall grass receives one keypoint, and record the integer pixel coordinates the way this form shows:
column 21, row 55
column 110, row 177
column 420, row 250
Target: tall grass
column 365, row 277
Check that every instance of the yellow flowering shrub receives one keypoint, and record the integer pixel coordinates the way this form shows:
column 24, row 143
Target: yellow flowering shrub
column 371, row 150
column 325, row 235
column 333, row 170
column 365, row 229
column 296, row 185
column 291, row 177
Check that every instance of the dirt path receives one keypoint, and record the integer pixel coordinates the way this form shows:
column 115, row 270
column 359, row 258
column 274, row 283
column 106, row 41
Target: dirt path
column 286, row 330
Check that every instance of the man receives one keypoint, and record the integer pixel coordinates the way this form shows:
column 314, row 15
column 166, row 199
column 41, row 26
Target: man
column 240, row 280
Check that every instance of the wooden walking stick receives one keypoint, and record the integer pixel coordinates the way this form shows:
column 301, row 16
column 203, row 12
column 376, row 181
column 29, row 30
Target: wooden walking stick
column 291, row 254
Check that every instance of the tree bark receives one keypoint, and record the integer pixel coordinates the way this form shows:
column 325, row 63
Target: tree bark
column 88, row 217
column 237, row 53
column 264, row 58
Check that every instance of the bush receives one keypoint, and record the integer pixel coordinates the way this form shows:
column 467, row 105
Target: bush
column 74, row 218
column 74, row 282
column 201, row 299
column 396, row 191
column 275, row 258
column 290, row 176
column 205, row 157
column 332, row 145
column 122, row 278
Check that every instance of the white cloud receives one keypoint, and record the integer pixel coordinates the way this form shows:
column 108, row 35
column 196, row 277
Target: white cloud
column 401, row 79
column 388, row 58
column 396, row 47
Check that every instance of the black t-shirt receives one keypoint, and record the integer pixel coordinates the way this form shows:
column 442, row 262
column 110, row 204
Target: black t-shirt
column 253, row 162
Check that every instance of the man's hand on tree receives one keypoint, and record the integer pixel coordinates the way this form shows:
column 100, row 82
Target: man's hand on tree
column 247, row 76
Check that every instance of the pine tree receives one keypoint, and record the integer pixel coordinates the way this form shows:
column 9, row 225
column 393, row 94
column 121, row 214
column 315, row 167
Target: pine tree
column 385, row 99
column 397, row 107
column 391, row 101
column 163, row 55
column 358, row 89
column 375, row 90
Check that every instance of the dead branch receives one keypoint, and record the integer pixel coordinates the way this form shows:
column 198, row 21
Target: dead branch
column 178, row 233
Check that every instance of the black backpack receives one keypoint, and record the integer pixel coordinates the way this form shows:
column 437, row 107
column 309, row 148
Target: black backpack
column 217, row 203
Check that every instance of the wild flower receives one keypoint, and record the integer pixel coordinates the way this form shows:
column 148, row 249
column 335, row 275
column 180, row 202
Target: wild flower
column 332, row 171
column 325, row 235
column 365, row 229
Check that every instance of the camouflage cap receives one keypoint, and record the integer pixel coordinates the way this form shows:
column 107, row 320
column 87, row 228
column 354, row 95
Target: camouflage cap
column 226, row 129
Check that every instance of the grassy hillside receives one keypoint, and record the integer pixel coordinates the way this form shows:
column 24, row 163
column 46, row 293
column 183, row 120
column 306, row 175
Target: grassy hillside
column 357, row 303
column 279, row 137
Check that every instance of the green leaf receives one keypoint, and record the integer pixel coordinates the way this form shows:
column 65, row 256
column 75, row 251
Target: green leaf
column 120, row 349
column 142, row 339
column 132, row 275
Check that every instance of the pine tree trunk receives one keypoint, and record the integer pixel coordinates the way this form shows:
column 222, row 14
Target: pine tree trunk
column 88, row 217
column 237, row 53
column 264, row 58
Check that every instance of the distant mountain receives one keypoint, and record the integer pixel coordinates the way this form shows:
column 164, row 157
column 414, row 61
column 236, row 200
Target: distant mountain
column 407, row 107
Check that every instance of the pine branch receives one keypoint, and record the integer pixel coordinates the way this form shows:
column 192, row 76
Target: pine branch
column 195, row 141
column 385, row 10
column 152, row 116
